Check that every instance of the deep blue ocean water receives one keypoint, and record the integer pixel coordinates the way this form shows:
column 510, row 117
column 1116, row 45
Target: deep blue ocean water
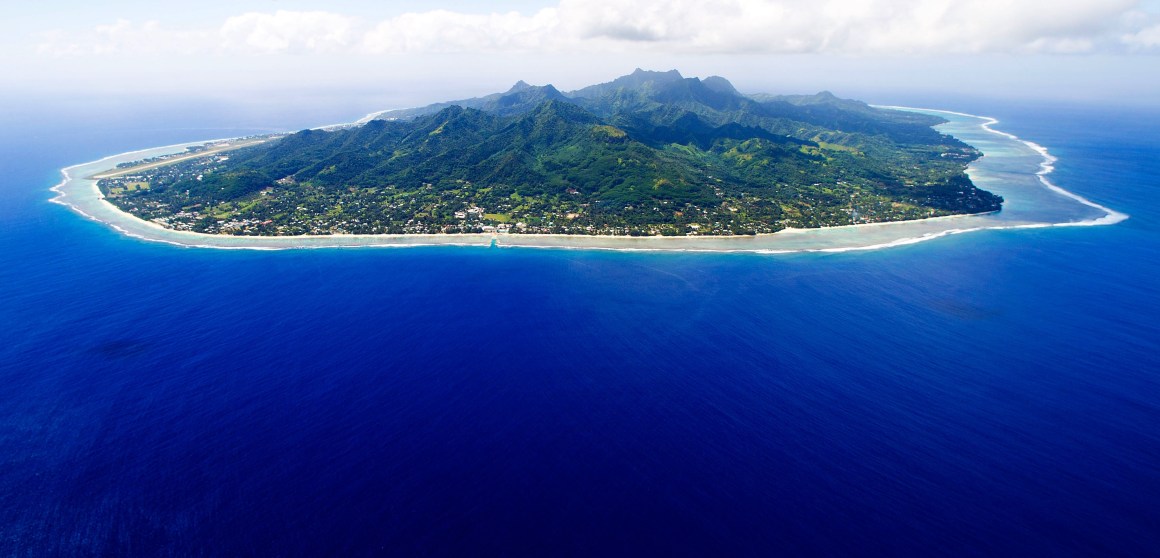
column 994, row 393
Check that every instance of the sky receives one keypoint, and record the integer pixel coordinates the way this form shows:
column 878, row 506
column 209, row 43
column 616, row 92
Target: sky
column 407, row 53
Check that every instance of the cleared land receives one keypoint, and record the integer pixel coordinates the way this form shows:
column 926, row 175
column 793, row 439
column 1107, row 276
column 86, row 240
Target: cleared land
column 174, row 160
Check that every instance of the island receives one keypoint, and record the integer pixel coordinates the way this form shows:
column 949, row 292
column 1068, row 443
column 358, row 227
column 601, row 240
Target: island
column 647, row 154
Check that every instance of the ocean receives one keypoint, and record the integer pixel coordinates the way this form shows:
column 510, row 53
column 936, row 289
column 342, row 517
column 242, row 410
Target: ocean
column 988, row 393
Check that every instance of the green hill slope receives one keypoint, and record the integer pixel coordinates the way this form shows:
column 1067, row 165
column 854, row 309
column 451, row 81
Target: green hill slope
column 648, row 153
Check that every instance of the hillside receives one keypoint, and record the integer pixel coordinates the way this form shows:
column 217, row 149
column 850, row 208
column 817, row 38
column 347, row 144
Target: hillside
column 647, row 153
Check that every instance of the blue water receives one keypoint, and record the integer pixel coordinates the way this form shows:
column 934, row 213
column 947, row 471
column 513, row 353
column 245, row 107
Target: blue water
column 988, row 393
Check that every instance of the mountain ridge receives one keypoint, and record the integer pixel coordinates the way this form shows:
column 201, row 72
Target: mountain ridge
column 646, row 153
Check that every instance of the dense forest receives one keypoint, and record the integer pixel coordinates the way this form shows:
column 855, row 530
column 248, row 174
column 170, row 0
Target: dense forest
column 648, row 153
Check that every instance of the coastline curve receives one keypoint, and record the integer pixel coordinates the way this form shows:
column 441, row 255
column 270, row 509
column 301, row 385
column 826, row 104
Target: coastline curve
column 1012, row 167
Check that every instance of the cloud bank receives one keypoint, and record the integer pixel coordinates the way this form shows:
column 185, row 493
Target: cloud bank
column 852, row 27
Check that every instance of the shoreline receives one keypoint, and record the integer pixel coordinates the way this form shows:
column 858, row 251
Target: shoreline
column 89, row 202
column 1046, row 167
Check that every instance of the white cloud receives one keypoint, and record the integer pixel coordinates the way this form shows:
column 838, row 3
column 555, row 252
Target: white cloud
column 848, row 26
column 1148, row 38
column 124, row 37
column 446, row 31
column 285, row 31
column 861, row 27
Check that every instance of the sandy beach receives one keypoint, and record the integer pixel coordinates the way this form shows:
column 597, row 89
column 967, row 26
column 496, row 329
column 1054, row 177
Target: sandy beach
column 1011, row 167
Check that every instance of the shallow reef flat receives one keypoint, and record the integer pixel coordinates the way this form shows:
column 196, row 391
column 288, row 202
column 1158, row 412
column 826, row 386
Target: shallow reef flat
column 1011, row 167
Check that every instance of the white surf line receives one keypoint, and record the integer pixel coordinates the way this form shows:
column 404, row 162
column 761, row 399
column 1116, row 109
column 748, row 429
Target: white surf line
column 65, row 172
column 1046, row 167
column 60, row 195
column 68, row 176
column 373, row 116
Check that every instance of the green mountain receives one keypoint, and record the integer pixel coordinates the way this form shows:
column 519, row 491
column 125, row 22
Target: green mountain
column 647, row 153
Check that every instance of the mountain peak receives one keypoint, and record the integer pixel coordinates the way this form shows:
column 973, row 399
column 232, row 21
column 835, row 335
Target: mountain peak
column 520, row 85
column 672, row 73
column 522, row 99
column 720, row 85
column 638, row 79
column 639, row 76
column 632, row 156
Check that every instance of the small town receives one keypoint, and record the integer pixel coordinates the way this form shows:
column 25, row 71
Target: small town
column 290, row 208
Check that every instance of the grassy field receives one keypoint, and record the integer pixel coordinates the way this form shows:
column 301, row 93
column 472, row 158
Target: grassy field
column 130, row 187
